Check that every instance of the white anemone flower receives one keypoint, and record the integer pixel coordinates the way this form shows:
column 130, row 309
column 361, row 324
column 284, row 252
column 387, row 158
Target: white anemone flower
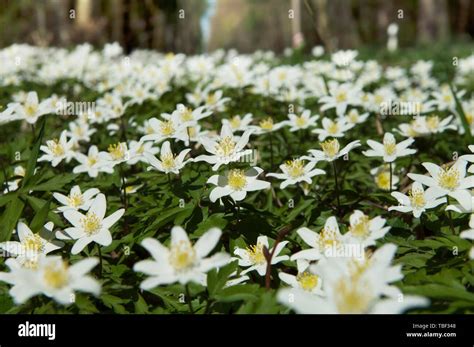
column 254, row 259
column 91, row 227
column 451, row 181
column 31, row 246
column 182, row 262
column 306, row 281
column 332, row 128
column 329, row 239
column 52, row 277
column 236, row 183
column 93, row 163
column 31, row 109
column 353, row 286
column 168, row 162
column 364, row 230
column 76, row 200
column 58, row 150
column 389, row 150
column 417, row 201
column 331, row 150
column 295, row 171
column 225, row 149
column 238, row 123
column 138, row 150
column 303, row 121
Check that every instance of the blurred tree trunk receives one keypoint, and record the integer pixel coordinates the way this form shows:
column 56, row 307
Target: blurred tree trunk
column 433, row 23
column 296, row 32
column 117, row 21
column 343, row 28
column 62, row 21
column 84, row 13
column 384, row 18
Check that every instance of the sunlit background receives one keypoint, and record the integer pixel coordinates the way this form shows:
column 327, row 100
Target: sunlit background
column 196, row 26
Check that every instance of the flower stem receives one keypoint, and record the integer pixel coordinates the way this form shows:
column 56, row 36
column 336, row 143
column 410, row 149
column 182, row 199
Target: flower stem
column 271, row 150
column 391, row 178
column 124, row 188
column 188, row 299
column 100, row 259
column 336, row 185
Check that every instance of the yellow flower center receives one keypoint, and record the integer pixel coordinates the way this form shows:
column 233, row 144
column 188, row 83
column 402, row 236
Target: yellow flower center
column 56, row 275
column 211, row 99
column 353, row 116
column 149, row 130
column 30, row 110
column 92, row 160
column 351, row 297
column 295, row 168
column 300, row 121
column 341, row 97
column 307, row 281
column 255, row 253
column 117, row 151
column 182, row 255
column 417, row 198
column 235, row 122
column 187, row 115
column 75, row 200
column 328, row 238
column 361, row 227
column 91, row 223
column 192, row 132
column 56, row 148
column 168, row 161
column 383, row 180
column 470, row 118
column 167, row 128
column 226, row 146
column 447, row 98
column 432, row 122
column 390, row 147
column 448, row 178
column 33, row 244
column 236, row 179
column 330, row 147
column 333, row 128
column 266, row 124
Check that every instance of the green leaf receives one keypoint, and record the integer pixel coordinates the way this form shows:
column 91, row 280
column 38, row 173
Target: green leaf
column 462, row 115
column 55, row 183
column 40, row 218
column 10, row 218
column 238, row 293
column 33, row 159
column 141, row 306
column 216, row 279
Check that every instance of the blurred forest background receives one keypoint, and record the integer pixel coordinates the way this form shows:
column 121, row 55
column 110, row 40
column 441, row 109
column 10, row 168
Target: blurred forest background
column 194, row 26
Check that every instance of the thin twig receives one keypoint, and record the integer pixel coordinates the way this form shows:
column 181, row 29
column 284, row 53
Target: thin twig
column 269, row 255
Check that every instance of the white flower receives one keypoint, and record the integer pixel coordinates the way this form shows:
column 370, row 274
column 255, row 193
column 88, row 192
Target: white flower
column 31, row 246
column 225, row 149
column 52, row 277
column 355, row 118
column 117, row 153
column 80, row 131
column 469, row 234
column 332, row 128
column 389, row 150
column 181, row 262
column 91, row 227
column 381, row 176
column 31, row 109
column 186, row 116
column 171, row 128
column 317, row 51
column 417, row 201
column 168, row 163
column 451, row 181
column 364, row 230
column 295, row 171
column 93, row 163
column 254, row 259
column 267, row 125
column 469, row 158
column 138, row 150
column 303, row 121
column 353, row 286
column 340, row 96
column 306, row 281
column 238, row 123
column 57, row 150
column 330, row 150
column 327, row 240
column 236, row 183
column 76, row 200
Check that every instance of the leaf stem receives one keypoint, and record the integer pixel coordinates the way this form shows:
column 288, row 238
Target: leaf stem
column 188, row 298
